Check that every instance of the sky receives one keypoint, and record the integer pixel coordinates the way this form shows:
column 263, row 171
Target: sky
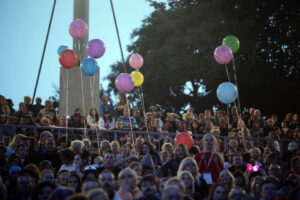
column 24, row 25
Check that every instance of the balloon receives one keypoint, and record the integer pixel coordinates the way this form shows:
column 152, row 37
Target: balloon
column 184, row 138
column 232, row 42
column 223, row 54
column 138, row 78
column 124, row 82
column 68, row 58
column 78, row 29
column 61, row 48
column 89, row 66
column 95, row 48
column 136, row 61
column 227, row 92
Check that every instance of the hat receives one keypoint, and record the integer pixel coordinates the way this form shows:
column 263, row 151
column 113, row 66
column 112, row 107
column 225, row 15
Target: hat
column 90, row 167
column 14, row 168
column 292, row 146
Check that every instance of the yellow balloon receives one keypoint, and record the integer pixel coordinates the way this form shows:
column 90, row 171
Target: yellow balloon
column 138, row 78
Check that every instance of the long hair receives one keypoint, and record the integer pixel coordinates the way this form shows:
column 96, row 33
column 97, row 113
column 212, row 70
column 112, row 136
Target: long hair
column 215, row 144
column 96, row 116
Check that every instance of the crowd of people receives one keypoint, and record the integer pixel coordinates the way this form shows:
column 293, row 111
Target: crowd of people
column 43, row 163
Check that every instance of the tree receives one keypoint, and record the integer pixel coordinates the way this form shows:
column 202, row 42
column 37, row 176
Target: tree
column 178, row 39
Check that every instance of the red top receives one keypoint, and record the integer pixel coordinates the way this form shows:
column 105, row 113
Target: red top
column 215, row 166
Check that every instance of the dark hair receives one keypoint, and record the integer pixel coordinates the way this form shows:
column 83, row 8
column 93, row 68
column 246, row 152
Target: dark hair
column 67, row 154
column 78, row 197
column 148, row 178
column 96, row 114
column 39, row 187
column 73, row 174
column 61, row 192
column 110, row 118
column 152, row 150
column 186, row 151
column 267, row 180
column 213, row 188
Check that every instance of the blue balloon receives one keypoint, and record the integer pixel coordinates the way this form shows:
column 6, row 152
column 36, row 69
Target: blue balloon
column 61, row 48
column 227, row 92
column 89, row 66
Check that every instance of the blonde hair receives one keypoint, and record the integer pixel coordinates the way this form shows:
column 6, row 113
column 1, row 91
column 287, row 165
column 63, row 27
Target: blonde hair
column 16, row 140
column 181, row 173
column 186, row 161
column 77, row 145
column 166, row 146
column 215, row 145
column 127, row 171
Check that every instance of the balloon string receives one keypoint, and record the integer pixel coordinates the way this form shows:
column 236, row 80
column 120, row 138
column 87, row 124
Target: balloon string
column 132, row 137
column 143, row 106
column 227, row 73
column 235, row 79
column 67, row 105
column 79, row 53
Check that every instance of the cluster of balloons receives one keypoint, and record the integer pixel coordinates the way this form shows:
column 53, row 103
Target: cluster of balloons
column 184, row 138
column 125, row 82
column 68, row 58
column 223, row 54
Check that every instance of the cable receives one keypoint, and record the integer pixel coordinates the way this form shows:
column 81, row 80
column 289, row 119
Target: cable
column 43, row 55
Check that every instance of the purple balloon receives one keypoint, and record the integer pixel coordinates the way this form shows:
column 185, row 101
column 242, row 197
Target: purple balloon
column 78, row 29
column 95, row 48
column 223, row 54
column 124, row 83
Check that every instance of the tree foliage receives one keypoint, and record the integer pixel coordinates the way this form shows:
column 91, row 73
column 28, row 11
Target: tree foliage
column 178, row 39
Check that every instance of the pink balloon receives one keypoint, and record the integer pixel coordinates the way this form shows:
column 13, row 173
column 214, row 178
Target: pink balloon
column 124, row 83
column 223, row 54
column 95, row 48
column 78, row 29
column 136, row 61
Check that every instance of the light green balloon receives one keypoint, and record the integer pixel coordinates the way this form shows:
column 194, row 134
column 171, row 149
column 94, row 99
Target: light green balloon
column 232, row 42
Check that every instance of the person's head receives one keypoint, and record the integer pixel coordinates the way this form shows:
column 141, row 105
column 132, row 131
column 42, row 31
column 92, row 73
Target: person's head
column 96, row 194
column 137, row 167
column 61, row 192
column 255, row 153
column 226, row 178
column 165, row 156
column 207, row 114
column 187, row 179
column 255, row 185
column 240, row 179
column 47, row 176
column 74, row 182
column 25, row 184
column 275, row 171
column 237, row 160
column 88, row 185
column 126, row 111
column 27, row 100
column 105, row 145
column 43, row 190
column 48, row 104
column 38, row 100
column 127, row 177
column 20, row 149
column 109, row 159
column 67, row 156
column 189, row 164
column 181, row 152
column 209, row 143
column 86, row 144
column 237, row 193
column 136, row 112
column 148, row 186
column 63, row 177
column 107, row 115
column 50, row 144
column 174, row 181
column 119, row 124
column 268, row 189
column 77, row 146
column 217, row 192
column 295, row 163
column 45, row 121
column 147, row 148
column 172, row 193
column 107, row 181
column 115, row 147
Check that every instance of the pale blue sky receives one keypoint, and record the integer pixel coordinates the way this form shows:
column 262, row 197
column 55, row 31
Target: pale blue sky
column 23, row 31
